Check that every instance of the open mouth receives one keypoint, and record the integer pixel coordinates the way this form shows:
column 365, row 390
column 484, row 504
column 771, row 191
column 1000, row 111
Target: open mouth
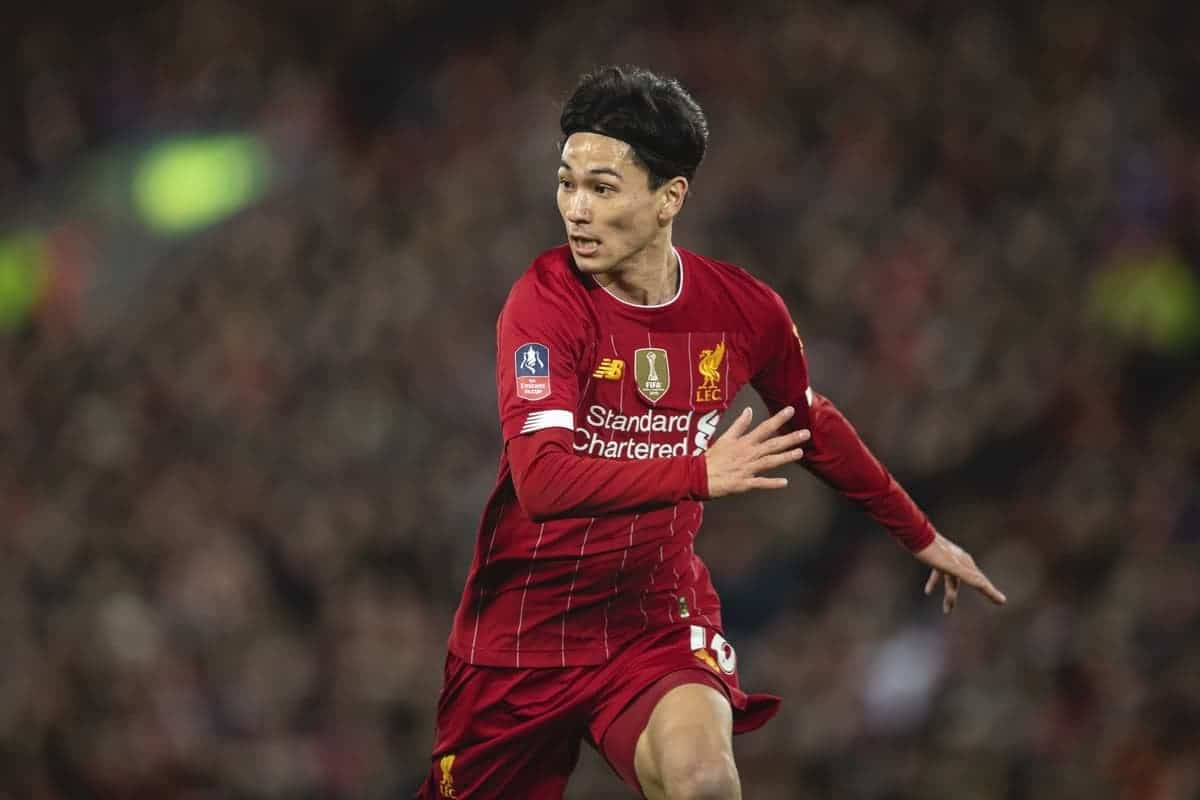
column 584, row 246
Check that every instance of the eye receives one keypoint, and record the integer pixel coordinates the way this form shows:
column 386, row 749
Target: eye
column 604, row 188
column 564, row 183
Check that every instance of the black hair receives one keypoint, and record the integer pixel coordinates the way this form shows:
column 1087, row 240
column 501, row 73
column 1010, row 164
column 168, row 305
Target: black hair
column 651, row 113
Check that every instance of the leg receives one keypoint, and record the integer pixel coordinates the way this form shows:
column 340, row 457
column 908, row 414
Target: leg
column 665, row 710
column 686, row 750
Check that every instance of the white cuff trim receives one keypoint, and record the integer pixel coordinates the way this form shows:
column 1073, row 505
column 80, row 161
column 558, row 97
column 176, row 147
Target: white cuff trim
column 554, row 418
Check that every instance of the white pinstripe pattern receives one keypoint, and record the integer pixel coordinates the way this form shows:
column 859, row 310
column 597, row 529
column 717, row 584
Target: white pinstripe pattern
column 671, row 600
column 525, row 593
column 616, row 578
column 617, row 581
column 673, row 597
column 642, row 597
column 725, row 388
column 692, row 405
column 571, row 593
column 620, row 384
column 691, row 379
column 695, row 599
column 487, row 560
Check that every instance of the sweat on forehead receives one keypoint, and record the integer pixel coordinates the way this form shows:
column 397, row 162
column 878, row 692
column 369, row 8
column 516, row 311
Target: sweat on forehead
column 594, row 152
column 597, row 147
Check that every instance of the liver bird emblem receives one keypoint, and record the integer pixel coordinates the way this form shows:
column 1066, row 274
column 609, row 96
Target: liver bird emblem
column 710, row 366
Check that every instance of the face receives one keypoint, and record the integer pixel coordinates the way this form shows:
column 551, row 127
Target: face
column 604, row 196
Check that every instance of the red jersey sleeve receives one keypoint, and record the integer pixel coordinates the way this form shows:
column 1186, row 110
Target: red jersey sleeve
column 540, row 345
column 782, row 378
column 836, row 453
column 552, row 482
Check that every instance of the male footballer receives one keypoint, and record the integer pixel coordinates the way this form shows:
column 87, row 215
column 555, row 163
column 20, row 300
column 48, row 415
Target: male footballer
column 587, row 613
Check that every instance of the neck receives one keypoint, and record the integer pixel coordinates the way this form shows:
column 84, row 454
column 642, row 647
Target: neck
column 648, row 278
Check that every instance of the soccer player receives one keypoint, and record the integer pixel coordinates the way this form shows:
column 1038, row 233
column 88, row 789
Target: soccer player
column 586, row 613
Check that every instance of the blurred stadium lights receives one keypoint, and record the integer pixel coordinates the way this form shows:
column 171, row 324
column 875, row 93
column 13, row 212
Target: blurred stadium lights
column 23, row 266
column 1150, row 298
column 186, row 184
column 130, row 204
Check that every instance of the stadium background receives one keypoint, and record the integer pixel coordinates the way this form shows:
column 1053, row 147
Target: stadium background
column 250, row 260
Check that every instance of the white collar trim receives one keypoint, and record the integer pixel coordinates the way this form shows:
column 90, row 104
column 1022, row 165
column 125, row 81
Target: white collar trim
column 678, row 292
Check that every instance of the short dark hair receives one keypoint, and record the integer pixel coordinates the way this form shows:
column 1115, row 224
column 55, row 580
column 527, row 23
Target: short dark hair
column 651, row 113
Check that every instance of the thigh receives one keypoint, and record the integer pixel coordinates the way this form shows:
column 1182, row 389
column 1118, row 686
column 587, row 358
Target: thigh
column 505, row 733
column 625, row 743
column 688, row 741
column 643, row 674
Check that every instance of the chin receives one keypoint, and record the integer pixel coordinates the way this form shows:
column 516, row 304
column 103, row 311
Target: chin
column 592, row 265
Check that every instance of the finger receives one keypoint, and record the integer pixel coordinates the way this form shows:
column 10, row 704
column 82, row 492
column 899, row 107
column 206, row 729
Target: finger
column 973, row 576
column 989, row 591
column 766, row 483
column 741, row 424
column 951, row 596
column 932, row 583
column 768, row 427
column 786, row 441
column 767, row 463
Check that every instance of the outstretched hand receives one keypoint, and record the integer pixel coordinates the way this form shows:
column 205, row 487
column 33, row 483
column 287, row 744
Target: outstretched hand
column 951, row 564
column 738, row 458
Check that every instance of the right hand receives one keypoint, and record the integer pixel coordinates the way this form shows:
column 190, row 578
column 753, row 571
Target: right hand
column 737, row 459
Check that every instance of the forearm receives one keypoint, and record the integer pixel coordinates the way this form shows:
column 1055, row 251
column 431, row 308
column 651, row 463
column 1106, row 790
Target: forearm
column 552, row 482
column 839, row 457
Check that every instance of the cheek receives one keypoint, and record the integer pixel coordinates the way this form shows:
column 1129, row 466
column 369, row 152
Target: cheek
column 629, row 218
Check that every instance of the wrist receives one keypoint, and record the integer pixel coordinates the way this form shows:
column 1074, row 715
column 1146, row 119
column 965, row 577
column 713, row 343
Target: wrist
column 922, row 539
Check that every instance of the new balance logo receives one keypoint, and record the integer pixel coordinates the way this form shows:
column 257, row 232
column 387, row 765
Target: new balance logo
column 610, row 369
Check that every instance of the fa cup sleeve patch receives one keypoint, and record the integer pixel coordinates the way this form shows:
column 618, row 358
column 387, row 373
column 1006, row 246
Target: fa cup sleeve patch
column 533, row 371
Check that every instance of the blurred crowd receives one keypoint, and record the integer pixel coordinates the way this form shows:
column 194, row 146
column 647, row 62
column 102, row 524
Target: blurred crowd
column 235, row 521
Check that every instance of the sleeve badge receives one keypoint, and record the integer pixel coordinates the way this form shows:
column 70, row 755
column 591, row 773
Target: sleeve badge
column 532, row 371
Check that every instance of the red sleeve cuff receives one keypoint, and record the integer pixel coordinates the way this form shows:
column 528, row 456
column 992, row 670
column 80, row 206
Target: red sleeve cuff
column 698, row 478
column 921, row 539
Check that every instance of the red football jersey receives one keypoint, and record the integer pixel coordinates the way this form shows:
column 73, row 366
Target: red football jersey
column 633, row 395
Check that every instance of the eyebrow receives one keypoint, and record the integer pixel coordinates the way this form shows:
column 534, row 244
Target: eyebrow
column 594, row 171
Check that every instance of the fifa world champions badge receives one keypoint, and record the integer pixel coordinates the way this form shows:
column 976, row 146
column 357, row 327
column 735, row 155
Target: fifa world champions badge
column 652, row 372
column 533, row 371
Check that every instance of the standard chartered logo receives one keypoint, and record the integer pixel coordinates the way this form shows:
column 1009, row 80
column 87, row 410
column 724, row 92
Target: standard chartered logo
column 705, row 428
column 607, row 433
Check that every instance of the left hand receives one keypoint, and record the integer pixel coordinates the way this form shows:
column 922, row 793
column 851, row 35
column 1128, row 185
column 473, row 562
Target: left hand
column 952, row 564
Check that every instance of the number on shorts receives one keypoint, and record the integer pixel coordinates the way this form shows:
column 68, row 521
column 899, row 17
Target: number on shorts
column 722, row 649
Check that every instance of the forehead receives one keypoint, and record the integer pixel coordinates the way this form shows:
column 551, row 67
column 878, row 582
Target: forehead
column 587, row 151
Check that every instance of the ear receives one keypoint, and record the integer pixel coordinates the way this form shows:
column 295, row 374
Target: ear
column 670, row 198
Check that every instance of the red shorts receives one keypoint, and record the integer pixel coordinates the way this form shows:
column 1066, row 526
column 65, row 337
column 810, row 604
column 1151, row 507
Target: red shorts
column 515, row 733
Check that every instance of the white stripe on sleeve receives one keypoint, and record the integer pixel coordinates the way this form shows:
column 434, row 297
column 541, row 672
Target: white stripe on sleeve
column 553, row 418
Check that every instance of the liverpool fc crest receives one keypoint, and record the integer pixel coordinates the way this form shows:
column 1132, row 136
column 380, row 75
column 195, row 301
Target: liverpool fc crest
column 709, row 366
column 652, row 372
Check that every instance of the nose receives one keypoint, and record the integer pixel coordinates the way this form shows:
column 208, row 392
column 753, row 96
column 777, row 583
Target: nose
column 578, row 208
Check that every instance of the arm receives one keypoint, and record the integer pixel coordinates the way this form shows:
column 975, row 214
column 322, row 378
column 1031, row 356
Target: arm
column 552, row 482
column 840, row 458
